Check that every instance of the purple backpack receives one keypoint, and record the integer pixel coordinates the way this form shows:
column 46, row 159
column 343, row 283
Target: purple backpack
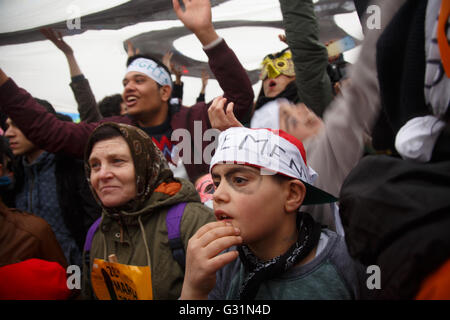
column 173, row 221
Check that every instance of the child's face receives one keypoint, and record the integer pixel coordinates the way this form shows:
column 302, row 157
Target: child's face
column 299, row 121
column 252, row 202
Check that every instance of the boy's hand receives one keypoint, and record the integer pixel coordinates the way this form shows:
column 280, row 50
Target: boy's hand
column 222, row 119
column 197, row 18
column 203, row 258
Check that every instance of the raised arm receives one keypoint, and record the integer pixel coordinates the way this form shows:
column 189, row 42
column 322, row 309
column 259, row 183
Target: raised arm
column 224, row 64
column 309, row 54
column 87, row 106
column 350, row 116
column 40, row 126
column 205, row 78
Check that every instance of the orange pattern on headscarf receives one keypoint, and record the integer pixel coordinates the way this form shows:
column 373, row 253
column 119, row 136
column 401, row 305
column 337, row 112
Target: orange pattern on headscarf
column 170, row 188
column 442, row 37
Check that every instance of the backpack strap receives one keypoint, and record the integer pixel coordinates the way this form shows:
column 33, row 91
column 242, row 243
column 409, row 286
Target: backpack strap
column 90, row 234
column 173, row 222
column 88, row 241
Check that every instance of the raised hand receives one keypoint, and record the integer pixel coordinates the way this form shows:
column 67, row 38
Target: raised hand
column 131, row 51
column 203, row 259
column 282, row 38
column 3, row 77
column 221, row 118
column 167, row 58
column 57, row 39
column 197, row 18
column 205, row 78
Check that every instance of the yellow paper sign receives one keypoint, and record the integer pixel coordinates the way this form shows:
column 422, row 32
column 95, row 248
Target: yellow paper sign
column 115, row 281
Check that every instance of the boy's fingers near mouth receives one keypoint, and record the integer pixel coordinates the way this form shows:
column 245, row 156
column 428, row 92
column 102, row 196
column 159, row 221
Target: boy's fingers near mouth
column 219, row 232
column 217, row 246
column 210, row 226
column 221, row 260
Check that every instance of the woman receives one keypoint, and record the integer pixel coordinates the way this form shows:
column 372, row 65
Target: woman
column 131, row 180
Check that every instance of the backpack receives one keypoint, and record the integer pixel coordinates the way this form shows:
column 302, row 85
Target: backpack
column 173, row 221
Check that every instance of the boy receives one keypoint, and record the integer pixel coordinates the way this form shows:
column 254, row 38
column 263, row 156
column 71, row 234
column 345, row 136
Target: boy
column 261, row 180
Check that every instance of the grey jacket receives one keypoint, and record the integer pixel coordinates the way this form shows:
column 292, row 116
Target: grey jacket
column 336, row 150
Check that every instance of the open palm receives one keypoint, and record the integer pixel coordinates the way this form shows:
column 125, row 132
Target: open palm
column 197, row 14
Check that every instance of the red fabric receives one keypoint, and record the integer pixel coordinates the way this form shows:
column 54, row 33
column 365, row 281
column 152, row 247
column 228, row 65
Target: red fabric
column 289, row 138
column 437, row 285
column 33, row 279
column 444, row 48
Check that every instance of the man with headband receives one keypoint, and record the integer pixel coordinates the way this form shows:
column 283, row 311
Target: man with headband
column 147, row 91
column 262, row 179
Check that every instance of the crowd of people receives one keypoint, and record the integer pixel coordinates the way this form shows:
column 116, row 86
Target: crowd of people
column 310, row 183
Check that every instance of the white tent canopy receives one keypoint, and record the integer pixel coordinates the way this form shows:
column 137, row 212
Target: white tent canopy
column 40, row 68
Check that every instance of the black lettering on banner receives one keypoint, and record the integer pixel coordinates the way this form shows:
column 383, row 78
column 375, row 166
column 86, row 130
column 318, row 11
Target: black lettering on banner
column 113, row 271
column 122, row 287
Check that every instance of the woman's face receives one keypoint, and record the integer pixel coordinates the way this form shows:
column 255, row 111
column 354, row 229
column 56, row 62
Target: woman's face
column 113, row 174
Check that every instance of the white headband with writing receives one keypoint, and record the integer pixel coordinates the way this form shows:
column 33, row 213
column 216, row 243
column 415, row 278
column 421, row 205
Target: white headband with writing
column 151, row 69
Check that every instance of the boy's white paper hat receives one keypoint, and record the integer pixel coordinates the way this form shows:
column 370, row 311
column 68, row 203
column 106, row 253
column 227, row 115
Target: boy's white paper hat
column 274, row 152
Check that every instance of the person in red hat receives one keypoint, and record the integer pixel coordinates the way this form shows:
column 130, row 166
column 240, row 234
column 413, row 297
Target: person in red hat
column 34, row 279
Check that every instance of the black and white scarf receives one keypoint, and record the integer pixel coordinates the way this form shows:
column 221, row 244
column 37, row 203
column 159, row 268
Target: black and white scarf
column 260, row 271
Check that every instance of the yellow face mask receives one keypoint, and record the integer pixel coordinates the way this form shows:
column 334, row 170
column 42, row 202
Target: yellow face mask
column 275, row 64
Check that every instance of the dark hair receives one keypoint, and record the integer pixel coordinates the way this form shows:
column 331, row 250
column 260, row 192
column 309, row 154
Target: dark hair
column 280, row 178
column 276, row 54
column 104, row 132
column 8, row 192
column 110, row 105
column 63, row 117
column 47, row 105
column 5, row 150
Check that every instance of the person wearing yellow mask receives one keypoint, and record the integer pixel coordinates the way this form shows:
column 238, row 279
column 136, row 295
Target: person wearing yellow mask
column 278, row 77
column 299, row 72
column 277, row 73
